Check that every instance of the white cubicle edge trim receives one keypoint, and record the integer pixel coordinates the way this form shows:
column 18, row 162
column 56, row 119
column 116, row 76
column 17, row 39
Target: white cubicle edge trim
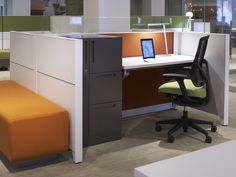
column 225, row 120
column 78, row 119
column 147, row 109
column 64, row 55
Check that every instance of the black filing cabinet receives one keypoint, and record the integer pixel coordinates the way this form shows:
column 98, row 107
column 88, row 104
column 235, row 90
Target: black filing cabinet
column 102, row 89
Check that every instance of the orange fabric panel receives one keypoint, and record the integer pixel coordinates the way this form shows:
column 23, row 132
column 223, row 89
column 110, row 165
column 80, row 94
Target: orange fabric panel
column 30, row 125
column 131, row 45
column 140, row 88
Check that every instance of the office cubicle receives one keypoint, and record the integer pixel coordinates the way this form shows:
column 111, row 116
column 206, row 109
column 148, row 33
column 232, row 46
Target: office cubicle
column 139, row 89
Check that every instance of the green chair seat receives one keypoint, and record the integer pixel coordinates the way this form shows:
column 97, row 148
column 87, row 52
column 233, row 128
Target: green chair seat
column 4, row 53
column 172, row 87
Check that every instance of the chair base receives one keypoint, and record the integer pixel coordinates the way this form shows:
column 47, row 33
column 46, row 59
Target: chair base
column 185, row 122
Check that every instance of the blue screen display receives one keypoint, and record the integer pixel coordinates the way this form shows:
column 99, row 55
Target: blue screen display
column 147, row 49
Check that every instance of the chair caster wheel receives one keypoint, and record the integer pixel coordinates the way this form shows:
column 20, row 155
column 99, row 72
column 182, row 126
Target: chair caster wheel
column 185, row 129
column 208, row 139
column 171, row 139
column 213, row 128
column 158, row 128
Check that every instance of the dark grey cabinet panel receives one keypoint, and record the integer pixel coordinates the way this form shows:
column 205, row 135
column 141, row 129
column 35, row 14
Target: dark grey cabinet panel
column 105, row 122
column 105, row 87
column 102, row 89
column 105, row 55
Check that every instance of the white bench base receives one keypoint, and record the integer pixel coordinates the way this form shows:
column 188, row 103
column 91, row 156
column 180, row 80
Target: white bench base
column 217, row 161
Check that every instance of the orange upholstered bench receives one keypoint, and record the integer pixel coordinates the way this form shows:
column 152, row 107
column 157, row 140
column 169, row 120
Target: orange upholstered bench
column 31, row 126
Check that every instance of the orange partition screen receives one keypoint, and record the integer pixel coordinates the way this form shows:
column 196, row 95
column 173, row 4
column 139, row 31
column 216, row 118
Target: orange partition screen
column 131, row 43
column 140, row 88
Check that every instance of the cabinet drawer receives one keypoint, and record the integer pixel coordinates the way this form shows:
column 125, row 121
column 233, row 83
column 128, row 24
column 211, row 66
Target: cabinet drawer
column 105, row 87
column 104, row 123
column 105, row 54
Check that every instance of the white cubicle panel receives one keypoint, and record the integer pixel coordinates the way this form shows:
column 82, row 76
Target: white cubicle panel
column 55, row 57
column 217, row 55
column 22, row 49
column 61, row 93
column 57, row 75
column 57, row 90
column 59, row 78
column 24, row 76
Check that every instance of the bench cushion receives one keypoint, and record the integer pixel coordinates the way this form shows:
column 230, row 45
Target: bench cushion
column 30, row 125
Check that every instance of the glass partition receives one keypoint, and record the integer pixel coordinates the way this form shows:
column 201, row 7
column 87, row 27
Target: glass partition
column 170, row 23
column 215, row 16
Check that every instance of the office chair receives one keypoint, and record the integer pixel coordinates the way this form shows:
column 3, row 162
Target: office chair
column 189, row 87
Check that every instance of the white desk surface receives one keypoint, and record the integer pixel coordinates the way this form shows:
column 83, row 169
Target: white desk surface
column 215, row 161
column 131, row 63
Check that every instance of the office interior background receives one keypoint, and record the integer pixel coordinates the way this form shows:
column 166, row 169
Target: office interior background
column 215, row 16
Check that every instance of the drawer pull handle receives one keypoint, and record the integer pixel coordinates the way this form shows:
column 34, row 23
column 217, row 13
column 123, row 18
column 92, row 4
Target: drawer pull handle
column 106, row 75
column 85, row 52
column 106, row 106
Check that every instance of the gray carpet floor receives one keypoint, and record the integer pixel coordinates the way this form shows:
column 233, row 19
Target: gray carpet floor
column 140, row 145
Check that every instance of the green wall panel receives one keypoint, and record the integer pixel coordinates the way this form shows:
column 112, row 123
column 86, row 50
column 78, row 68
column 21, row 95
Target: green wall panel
column 24, row 23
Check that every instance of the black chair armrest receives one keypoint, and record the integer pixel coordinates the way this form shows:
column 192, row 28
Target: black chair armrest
column 180, row 79
column 176, row 76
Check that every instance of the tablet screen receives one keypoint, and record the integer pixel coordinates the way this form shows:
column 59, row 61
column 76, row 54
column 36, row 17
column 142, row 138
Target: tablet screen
column 147, row 48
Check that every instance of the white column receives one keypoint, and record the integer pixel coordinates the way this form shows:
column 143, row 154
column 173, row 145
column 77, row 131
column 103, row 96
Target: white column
column 158, row 8
column 18, row 7
column 106, row 15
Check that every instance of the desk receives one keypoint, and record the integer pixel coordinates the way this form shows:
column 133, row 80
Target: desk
column 217, row 161
column 133, row 63
column 137, row 63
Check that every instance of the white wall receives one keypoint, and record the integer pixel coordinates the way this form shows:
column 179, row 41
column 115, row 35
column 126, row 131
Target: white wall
column 91, row 8
column 18, row 7
column 106, row 15
column 158, row 8
column 114, row 8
